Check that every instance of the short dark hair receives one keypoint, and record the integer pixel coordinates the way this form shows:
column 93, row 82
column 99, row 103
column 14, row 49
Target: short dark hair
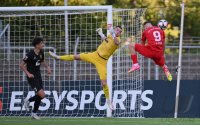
column 146, row 22
column 37, row 40
column 119, row 27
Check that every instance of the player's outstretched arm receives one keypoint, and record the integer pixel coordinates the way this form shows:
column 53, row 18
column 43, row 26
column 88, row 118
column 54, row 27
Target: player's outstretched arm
column 99, row 31
column 112, row 32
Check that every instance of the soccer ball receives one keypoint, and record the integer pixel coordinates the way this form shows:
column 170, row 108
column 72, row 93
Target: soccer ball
column 163, row 24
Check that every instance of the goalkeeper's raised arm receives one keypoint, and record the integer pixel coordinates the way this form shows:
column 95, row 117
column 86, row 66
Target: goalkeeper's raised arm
column 116, row 33
column 100, row 32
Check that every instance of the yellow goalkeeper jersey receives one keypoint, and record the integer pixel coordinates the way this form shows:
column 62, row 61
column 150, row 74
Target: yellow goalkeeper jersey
column 107, row 47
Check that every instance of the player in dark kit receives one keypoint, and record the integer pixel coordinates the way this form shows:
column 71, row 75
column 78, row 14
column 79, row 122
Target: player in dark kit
column 31, row 66
column 153, row 49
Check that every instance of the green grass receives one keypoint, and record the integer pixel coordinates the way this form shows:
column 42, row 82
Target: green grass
column 98, row 121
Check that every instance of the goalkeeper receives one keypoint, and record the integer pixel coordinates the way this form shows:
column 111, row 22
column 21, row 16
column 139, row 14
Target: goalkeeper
column 99, row 57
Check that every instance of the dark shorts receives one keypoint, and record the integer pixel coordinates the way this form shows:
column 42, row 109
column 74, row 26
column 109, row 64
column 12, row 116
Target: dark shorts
column 147, row 51
column 35, row 83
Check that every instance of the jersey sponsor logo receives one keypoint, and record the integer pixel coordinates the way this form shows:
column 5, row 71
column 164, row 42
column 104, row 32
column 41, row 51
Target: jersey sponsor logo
column 37, row 63
column 81, row 99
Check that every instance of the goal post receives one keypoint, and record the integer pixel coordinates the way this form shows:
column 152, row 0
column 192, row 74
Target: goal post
column 55, row 8
column 179, row 61
column 109, row 64
column 74, row 88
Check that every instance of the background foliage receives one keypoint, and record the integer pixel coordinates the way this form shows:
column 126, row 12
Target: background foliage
column 157, row 9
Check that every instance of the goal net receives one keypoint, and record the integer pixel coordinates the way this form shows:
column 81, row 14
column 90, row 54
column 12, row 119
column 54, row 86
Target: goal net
column 127, row 87
column 73, row 89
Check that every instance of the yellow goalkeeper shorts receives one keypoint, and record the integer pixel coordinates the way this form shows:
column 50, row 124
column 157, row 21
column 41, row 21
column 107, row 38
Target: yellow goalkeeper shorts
column 98, row 61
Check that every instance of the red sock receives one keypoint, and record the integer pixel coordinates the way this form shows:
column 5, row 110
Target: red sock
column 134, row 58
column 165, row 68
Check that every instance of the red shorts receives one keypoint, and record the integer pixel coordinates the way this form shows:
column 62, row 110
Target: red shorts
column 147, row 51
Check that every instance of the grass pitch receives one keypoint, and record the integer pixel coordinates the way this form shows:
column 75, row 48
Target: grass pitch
column 98, row 121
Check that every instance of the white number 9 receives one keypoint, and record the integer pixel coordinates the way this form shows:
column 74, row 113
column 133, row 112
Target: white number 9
column 157, row 36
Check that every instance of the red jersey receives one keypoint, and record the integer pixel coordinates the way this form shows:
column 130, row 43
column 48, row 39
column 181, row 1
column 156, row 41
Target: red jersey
column 155, row 38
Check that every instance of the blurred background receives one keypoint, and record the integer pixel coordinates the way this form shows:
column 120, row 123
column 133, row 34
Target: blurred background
column 17, row 29
column 156, row 10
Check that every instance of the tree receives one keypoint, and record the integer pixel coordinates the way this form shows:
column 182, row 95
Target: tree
column 156, row 9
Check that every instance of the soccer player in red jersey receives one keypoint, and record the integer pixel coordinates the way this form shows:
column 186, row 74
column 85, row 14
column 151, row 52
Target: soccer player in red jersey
column 154, row 48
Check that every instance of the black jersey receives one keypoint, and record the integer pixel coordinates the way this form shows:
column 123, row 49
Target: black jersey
column 33, row 62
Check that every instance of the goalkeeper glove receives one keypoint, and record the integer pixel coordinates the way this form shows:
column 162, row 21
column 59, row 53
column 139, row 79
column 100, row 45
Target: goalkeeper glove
column 99, row 31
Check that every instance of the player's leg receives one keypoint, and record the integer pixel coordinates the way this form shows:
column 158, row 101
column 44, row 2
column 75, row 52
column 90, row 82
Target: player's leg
column 36, row 84
column 102, row 71
column 131, row 48
column 64, row 57
column 87, row 57
column 167, row 72
column 106, row 93
column 105, row 88
column 40, row 95
column 100, row 65
column 135, row 65
column 34, row 98
column 161, row 62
